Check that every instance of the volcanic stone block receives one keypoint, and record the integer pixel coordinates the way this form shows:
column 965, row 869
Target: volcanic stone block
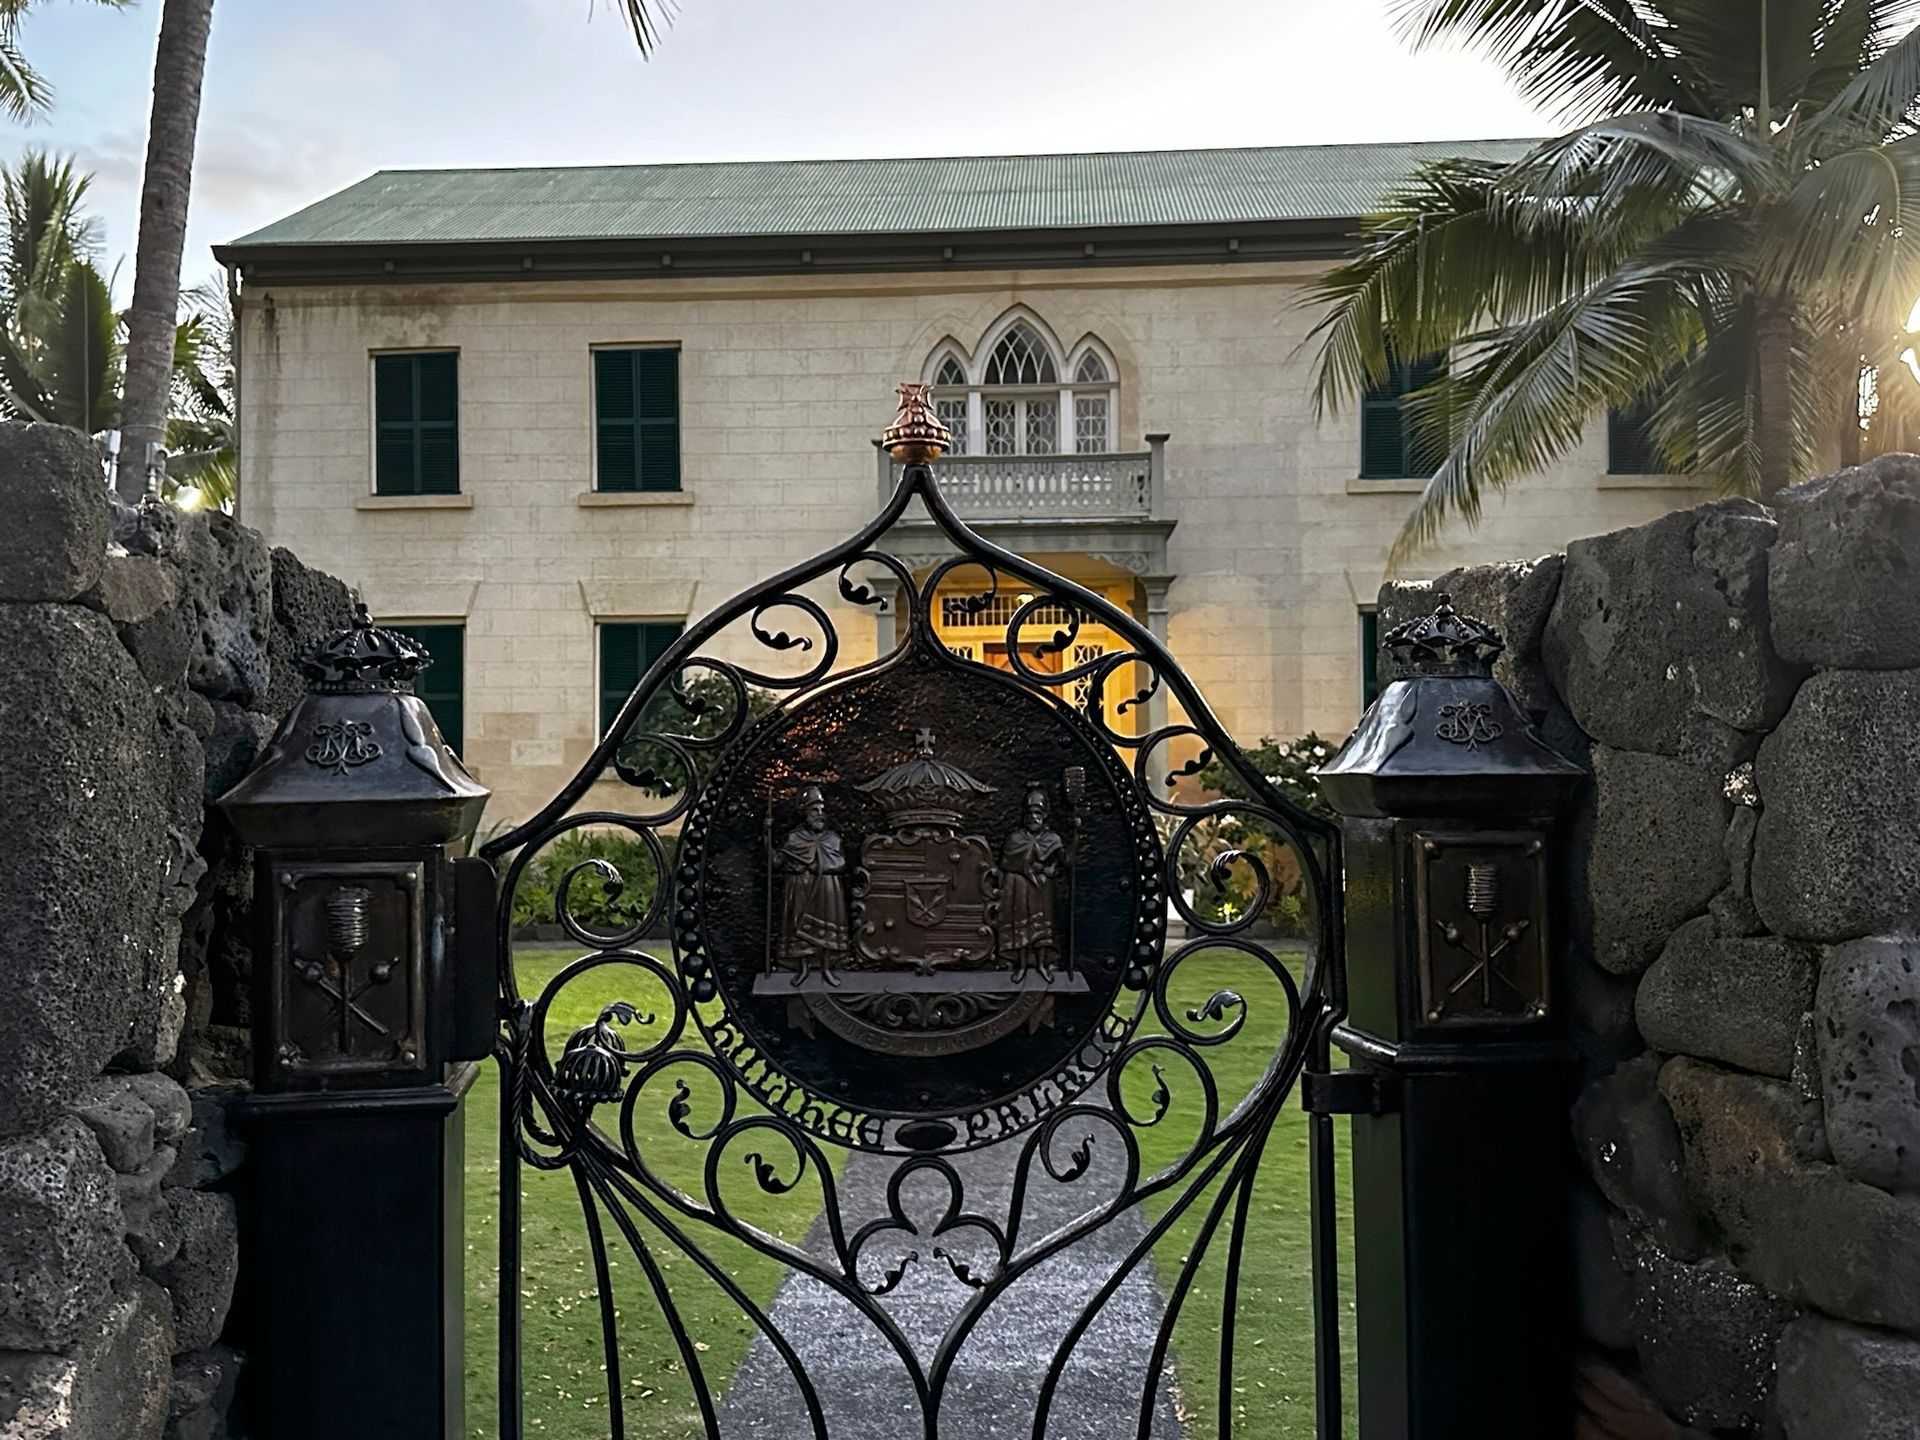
column 168, row 1099
column 1838, row 850
column 1732, row 909
column 132, row 588
column 1842, row 1382
column 226, row 588
column 209, row 1151
column 203, row 1386
column 60, row 1247
column 201, row 1274
column 54, row 495
column 1651, row 854
column 1868, row 1024
column 1740, row 1001
column 238, row 737
column 1597, row 1008
column 86, row 826
column 120, row 1120
column 1795, row 1225
column 1843, row 586
column 1666, row 622
column 308, row 605
column 1705, row 1337
column 1632, row 1150
column 111, row 1385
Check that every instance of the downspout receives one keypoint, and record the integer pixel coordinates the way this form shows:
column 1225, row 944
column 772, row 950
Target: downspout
column 239, row 330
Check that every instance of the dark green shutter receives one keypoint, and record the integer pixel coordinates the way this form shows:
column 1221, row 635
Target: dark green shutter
column 628, row 651
column 416, row 413
column 1391, row 446
column 1369, row 656
column 1383, row 441
column 657, row 402
column 619, row 450
column 637, row 419
column 443, row 683
column 1630, row 447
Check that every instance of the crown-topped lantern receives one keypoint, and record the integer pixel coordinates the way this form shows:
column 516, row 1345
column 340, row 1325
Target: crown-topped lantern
column 917, row 435
column 358, row 750
column 924, row 791
column 1445, row 643
column 363, row 658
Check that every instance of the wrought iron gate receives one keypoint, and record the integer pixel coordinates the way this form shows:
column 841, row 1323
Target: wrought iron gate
column 916, row 913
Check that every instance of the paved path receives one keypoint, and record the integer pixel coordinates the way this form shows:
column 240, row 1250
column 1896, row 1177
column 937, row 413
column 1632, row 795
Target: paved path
column 863, row 1390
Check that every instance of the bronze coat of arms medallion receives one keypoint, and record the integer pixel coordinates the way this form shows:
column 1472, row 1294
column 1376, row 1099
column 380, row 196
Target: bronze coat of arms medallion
column 921, row 893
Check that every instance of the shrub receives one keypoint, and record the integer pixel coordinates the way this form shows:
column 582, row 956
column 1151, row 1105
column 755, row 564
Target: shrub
column 592, row 899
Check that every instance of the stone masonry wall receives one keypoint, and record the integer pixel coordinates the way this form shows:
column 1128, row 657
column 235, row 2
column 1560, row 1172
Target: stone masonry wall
column 1741, row 958
column 144, row 658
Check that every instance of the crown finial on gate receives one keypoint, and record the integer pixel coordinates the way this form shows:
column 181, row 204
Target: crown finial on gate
column 916, row 436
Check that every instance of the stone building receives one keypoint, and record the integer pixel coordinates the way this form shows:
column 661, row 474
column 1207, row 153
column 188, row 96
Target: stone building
column 548, row 415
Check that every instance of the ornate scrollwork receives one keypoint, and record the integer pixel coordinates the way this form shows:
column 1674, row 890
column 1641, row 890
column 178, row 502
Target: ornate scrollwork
column 687, row 1054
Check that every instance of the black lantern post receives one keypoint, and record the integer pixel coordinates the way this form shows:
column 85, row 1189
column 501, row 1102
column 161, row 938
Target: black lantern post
column 1459, row 1075
column 364, row 1010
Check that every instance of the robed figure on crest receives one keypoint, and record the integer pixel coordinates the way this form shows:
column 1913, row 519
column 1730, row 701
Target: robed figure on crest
column 1029, row 864
column 813, row 901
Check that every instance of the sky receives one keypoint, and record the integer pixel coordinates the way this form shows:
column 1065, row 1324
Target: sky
column 304, row 98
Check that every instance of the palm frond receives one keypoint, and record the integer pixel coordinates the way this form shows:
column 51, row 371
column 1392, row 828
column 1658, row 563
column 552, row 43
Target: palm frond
column 1524, row 394
column 1466, row 244
column 1873, row 103
column 24, row 92
column 1849, row 234
column 1580, row 58
column 1648, row 167
column 645, row 19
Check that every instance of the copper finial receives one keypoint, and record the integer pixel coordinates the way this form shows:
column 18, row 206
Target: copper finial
column 916, row 435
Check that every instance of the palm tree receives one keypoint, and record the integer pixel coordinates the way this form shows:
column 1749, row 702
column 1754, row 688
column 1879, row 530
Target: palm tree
column 201, row 461
column 1730, row 236
column 179, row 67
column 59, row 335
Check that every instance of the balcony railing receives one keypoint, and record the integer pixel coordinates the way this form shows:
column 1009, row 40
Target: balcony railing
column 1048, row 487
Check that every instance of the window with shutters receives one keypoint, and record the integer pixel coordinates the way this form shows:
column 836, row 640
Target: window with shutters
column 636, row 419
column 443, row 683
column 1630, row 447
column 1023, row 395
column 1392, row 447
column 627, row 651
column 416, row 423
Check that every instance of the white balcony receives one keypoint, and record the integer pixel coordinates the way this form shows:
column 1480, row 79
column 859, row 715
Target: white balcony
column 1048, row 488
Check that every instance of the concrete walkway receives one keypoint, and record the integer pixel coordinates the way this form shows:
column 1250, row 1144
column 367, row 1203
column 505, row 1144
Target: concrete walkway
column 996, row 1380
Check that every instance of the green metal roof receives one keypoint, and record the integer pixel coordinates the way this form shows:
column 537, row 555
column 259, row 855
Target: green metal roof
column 861, row 197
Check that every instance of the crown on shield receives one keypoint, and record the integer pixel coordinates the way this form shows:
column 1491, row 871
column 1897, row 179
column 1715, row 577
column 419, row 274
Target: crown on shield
column 924, row 790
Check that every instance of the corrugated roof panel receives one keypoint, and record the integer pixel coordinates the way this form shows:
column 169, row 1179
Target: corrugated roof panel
column 852, row 197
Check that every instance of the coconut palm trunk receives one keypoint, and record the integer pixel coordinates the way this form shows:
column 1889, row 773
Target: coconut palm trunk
column 178, row 67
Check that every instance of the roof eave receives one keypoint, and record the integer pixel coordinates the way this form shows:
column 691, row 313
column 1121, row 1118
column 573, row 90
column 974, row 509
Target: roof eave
column 418, row 262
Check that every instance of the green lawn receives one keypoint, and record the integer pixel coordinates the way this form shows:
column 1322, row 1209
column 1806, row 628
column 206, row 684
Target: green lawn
column 1273, row 1351
column 565, row 1378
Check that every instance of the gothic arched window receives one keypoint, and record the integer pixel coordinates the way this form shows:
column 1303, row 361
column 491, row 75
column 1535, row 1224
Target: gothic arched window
column 1023, row 397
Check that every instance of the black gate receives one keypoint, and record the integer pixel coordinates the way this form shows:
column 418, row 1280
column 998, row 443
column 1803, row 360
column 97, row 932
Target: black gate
column 894, row 935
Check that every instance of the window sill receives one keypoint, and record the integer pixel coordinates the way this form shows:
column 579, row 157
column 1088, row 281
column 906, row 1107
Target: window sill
column 414, row 502
column 598, row 498
column 1404, row 485
column 1654, row 482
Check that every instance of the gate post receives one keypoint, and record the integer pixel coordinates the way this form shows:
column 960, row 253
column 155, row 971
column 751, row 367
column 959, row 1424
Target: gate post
column 362, row 1007
column 1462, row 1271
